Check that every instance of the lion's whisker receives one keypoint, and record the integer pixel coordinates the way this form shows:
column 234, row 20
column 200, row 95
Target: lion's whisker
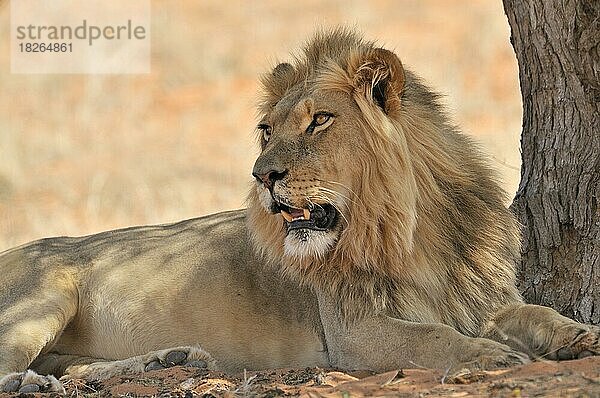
column 345, row 187
column 336, row 193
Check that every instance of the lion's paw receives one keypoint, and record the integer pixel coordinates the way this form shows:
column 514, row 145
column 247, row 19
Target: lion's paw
column 573, row 341
column 484, row 354
column 30, row 382
column 184, row 356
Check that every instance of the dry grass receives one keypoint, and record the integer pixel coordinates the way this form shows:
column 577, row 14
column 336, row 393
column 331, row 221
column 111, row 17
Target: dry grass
column 83, row 153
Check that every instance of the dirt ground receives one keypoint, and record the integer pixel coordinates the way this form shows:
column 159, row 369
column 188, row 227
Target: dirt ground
column 579, row 378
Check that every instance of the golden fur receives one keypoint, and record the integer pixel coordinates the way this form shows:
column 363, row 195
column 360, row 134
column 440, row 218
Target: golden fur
column 375, row 238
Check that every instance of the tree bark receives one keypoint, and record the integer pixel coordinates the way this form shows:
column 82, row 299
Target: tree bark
column 558, row 50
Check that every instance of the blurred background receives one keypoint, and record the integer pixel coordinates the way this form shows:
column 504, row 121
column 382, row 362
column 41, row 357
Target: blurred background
column 85, row 153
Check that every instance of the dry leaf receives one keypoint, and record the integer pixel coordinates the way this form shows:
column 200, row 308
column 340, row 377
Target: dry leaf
column 335, row 378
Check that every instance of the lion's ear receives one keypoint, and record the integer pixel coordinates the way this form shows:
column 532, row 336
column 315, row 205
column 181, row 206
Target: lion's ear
column 278, row 82
column 380, row 77
column 283, row 71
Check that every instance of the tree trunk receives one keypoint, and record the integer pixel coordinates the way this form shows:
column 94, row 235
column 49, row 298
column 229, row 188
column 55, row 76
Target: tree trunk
column 558, row 50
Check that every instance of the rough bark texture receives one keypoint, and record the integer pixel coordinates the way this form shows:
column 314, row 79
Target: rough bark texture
column 557, row 47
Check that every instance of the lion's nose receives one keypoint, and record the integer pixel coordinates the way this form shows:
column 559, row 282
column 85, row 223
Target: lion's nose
column 269, row 177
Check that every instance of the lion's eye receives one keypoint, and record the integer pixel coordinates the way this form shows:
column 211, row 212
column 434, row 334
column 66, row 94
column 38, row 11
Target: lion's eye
column 320, row 122
column 266, row 131
column 321, row 118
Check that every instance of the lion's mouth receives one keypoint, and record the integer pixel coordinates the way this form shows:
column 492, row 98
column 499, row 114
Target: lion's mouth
column 318, row 218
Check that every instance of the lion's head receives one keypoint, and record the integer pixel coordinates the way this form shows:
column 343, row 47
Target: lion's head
column 361, row 179
column 320, row 130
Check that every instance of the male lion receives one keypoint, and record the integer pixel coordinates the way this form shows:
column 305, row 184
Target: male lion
column 375, row 238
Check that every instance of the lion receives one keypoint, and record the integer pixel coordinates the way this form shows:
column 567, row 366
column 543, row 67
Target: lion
column 375, row 237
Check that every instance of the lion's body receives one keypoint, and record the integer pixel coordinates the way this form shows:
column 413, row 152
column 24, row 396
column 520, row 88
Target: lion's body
column 376, row 237
column 142, row 289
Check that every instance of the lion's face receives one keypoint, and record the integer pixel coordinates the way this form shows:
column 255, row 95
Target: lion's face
column 305, row 172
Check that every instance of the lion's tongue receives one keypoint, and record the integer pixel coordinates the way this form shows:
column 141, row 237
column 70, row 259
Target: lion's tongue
column 294, row 214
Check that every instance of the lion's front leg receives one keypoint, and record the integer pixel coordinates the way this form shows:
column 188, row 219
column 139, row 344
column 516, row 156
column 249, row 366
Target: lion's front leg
column 542, row 332
column 381, row 343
